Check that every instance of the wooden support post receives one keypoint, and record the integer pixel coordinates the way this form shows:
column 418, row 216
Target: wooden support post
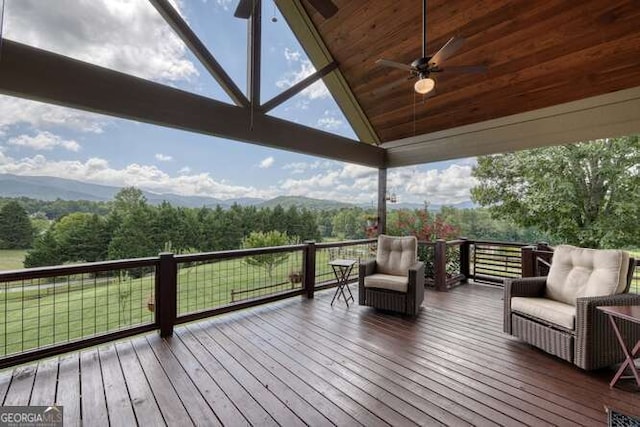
column 440, row 265
column 309, row 268
column 382, row 201
column 528, row 261
column 166, row 293
column 465, row 261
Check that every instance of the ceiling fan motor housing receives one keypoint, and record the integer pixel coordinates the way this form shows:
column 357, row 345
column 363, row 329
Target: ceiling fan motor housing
column 421, row 64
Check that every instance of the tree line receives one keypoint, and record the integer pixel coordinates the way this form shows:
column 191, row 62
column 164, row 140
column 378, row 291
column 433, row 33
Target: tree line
column 133, row 228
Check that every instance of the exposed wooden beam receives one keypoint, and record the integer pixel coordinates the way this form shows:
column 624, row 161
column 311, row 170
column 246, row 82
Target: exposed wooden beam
column 298, row 87
column 201, row 52
column 44, row 76
column 254, row 46
column 610, row 115
column 315, row 48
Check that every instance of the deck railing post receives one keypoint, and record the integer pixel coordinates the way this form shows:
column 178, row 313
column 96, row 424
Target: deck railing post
column 166, row 293
column 528, row 262
column 440, row 265
column 465, row 261
column 309, row 268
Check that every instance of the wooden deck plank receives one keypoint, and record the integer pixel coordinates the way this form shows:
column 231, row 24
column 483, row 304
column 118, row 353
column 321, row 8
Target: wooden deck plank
column 115, row 388
column 142, row 398
column 279, row 411
column 173, row 411
column 353, row 374
column 223, row 407
column 253, row 412
column 330, row 410
column 19, row 391
column 299, row 361
column 368, row 410
column 306, row 412
column 489, row 408
column 440, row 407
column 94, row 403
column 5, row 382
column 68, row 392
column 339, row 397
column 480, row 379
column 44, row 388
column 197, row 407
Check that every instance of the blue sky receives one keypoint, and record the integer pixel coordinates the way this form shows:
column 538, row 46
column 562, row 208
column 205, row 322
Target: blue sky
column 130, row 36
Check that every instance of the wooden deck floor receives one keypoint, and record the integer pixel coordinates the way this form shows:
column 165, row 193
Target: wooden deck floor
column 300, row 362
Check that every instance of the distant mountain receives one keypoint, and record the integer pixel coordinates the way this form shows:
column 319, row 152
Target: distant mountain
column 304, row 202
column 245, row 201
column 51, row 188
column 412, row 206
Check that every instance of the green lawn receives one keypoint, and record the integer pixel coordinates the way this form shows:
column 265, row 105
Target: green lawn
column 12, row 259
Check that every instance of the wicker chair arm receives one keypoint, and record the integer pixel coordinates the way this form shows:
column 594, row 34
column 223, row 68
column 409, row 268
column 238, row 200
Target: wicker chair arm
column 366, row 268
column 415, row 288
column 523, row 287
column 596, row 345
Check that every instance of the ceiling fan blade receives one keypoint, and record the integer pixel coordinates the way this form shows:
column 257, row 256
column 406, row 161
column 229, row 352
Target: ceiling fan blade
column 447, row 50
column 326, row 8
column 244, row 9
column 394, row 64
column 381, row 90
column 476, row 69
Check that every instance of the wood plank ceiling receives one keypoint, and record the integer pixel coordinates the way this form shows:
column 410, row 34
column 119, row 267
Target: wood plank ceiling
column 538, row 54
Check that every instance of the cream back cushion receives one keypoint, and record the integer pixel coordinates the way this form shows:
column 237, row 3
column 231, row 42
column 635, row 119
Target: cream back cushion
column 579, row 272
column 396, row 254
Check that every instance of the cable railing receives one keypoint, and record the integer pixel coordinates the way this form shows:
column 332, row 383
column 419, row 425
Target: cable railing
column 56, row 309
column 357, row 250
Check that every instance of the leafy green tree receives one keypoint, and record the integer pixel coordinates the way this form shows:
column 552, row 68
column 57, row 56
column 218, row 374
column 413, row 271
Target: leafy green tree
column 134, row 236
column 584, row 194
column 269, row 262
column 16, row 231
column 82, row 237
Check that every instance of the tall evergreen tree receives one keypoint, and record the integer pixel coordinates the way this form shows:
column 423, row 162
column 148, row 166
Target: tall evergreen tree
column 16, row 231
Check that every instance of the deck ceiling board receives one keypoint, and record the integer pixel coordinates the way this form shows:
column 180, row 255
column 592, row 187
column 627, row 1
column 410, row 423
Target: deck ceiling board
column 538, row 54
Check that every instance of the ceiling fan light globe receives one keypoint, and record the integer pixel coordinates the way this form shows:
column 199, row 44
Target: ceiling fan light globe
column 424, row 85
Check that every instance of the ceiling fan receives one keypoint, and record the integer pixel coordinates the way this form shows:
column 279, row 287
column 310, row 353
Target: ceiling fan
column 426, row 67
column 326, row 8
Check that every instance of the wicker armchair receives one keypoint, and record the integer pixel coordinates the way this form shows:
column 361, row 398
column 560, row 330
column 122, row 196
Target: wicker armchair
column 395, row 279
column 558, row 313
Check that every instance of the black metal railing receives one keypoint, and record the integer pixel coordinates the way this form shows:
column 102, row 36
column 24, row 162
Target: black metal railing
column 51, row 310
column 494, row 261
column 54, row 309
column 357, row 250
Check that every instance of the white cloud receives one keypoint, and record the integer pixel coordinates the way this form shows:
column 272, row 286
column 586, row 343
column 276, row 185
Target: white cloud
column 447, row 186
column 37, row 114
column 329, row 122
column 224, row 4
column 185, row 170
column 148, row 177
column 128, row 36
column 266, row 163
column 303, row 68
column 163, row 157
column 43, row 141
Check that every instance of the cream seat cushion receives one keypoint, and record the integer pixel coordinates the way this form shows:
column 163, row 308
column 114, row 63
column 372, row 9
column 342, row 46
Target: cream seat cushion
column 555, row 312
column 580, row 272
column 387, row 281
column 396, row 255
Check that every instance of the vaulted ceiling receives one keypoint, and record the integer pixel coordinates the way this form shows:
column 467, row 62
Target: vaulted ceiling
column 538, row 54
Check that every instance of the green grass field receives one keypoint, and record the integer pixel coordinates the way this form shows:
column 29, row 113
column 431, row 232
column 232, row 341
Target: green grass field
column 41, row 312
column 12, row 259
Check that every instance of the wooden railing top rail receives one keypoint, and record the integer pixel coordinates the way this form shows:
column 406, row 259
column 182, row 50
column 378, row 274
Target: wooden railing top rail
column 68, row 270
column 500, row 243
column 345, row 243
column 237, row 253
